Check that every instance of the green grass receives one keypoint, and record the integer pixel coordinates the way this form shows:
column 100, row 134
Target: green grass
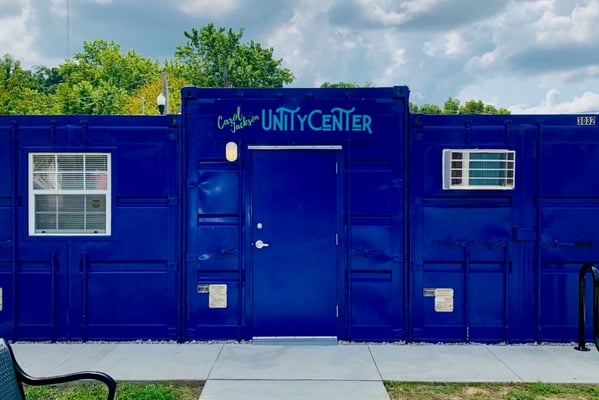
column 490, row 391
column 125, row 391
column 397, row 391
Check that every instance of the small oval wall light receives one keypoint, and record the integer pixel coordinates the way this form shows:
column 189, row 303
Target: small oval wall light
column 231, row 152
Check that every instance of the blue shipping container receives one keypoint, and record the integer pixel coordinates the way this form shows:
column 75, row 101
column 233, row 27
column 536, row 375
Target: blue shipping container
column 304, row 229
column 79, row 262
column 296, row 212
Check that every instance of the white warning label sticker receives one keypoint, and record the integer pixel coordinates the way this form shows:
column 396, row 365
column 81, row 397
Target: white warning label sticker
column 444, row 300
column 217, row 296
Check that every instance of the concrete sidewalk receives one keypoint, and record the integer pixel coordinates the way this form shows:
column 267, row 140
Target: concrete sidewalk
column 344, row 371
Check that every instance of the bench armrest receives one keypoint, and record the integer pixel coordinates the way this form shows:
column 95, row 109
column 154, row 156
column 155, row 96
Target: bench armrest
column 77, row 376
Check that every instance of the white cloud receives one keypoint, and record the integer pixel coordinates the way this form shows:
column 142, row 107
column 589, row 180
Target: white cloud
column 506, row 53
column 17, row 34
column 414, row 7
column 208, row 8
column 485, row 61
column 348, row 40
column 59, row 8
column 588, row 102
column 579, row 26
column 391, row 72
column 454, row 45
column 429, row 49
column 451, row 44
column 297, row 44
column 389, row 13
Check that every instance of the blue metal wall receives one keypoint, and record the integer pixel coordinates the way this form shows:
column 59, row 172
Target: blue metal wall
column 511, row 256
column 567, row 214
column 331, row 220
column 224, row 204
column 464, row 240
column 121, row 286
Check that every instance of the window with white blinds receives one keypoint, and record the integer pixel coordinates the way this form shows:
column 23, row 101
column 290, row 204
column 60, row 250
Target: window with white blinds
column 69, row 194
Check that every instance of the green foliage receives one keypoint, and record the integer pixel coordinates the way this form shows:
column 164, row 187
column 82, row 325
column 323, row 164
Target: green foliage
column 477, row 107
column 426, row 109
column 215, row 57
column 102, row 61
column 101, row 79
column 345, row 85
column 46, row 79
column 17, row 88
column 143, row 100
column 98, row 79
column 452, row 107
column 85, row 98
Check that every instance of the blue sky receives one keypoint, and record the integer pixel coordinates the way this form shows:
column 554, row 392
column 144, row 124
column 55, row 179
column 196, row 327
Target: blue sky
column 530, row 56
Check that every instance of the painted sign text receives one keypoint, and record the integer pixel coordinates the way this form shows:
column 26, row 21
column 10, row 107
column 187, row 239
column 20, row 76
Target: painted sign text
column 285, row 119
column 336, row 120
column 237, row 121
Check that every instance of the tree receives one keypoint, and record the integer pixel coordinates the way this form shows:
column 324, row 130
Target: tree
column 473, row 107
column 13, row 80
column 344, row 85
column 19, row 90
column 101, row 60
column 46, row 79
column 215, row 57
column 478, row 107
column 451, row 106
column 143, row 100
column 98, row 79
column 430, row 109
column 490, row 109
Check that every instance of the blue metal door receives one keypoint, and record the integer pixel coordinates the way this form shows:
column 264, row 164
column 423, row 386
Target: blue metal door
column 294, row 240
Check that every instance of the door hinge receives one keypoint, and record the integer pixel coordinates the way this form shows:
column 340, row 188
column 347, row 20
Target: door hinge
column 336, row 168
column 336, row 239
column 337, row 311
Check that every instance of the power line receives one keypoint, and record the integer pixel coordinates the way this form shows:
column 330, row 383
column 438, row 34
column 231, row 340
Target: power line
column 68, row 21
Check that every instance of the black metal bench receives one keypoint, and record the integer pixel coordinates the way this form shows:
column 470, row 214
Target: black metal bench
column 12, row 377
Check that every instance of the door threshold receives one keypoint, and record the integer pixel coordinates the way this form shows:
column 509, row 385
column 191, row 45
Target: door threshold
column 295, row 340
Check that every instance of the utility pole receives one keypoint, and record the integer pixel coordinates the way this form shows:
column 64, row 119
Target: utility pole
column 68, row 20
column 165, row 91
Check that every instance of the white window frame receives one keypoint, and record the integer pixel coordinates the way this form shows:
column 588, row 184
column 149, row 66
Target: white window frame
column 33, row 192
column 509, row 180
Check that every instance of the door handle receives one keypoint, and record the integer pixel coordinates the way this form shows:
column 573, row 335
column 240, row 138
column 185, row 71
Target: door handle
column 260, row 244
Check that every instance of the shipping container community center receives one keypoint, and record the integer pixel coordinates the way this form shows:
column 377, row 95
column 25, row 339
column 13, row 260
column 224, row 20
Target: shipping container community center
column 321, row 213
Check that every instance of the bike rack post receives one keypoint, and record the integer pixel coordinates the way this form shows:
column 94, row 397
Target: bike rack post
column 582, row 306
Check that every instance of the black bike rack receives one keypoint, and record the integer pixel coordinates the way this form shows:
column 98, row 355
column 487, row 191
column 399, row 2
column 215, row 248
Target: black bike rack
column 582, row 306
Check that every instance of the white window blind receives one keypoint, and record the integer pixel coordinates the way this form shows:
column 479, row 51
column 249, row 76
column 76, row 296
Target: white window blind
column 69, row 194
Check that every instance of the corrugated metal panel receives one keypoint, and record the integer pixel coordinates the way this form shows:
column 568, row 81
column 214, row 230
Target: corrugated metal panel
column 122, row 286
column 365, row 276
column 462, row 257
column 510, row 257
